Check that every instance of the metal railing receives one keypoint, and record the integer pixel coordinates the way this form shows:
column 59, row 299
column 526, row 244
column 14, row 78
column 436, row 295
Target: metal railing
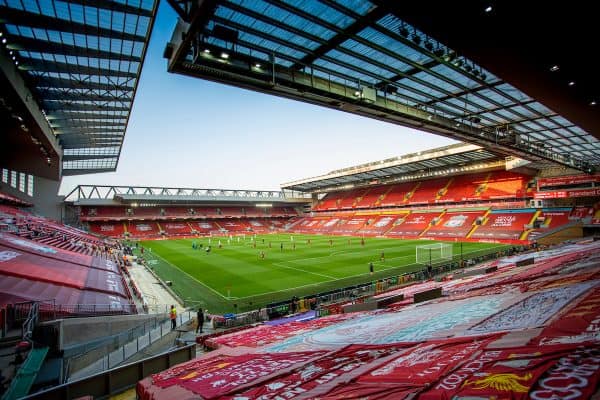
column 116, row 380
column 111, row 351
column 30, row 322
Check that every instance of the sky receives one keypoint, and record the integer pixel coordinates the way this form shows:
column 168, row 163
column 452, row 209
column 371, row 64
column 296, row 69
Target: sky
column 187, row 132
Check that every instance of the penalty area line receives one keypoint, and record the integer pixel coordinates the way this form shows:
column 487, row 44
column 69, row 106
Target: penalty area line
column 201, row 283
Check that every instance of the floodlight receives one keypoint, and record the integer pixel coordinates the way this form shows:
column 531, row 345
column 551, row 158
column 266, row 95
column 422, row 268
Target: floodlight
column 206, row 51
column 224, row 55
column 3, row 40
column 593, row 103
column 554, row 68
column 572, row 83
column 488, row 9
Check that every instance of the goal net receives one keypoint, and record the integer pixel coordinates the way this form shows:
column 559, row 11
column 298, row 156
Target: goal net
column 433, row 253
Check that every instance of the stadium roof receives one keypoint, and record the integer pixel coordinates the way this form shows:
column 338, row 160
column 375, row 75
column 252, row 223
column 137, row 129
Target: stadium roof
column 105, row 194
column 81, row 61
column 364, row 57
column 452, row 159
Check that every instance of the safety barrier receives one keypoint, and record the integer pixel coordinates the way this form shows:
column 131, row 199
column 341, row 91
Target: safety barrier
column 116, row 380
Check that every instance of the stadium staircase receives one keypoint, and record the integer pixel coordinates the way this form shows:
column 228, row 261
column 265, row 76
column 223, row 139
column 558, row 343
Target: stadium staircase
column 483, row 186
column 438, row 219
column 382, row 197
column 359, row 198
column 160, row 229
column 531, row 222
column 558, row 234
column 23, row 380
column 410, row 194
column 475, row 225
column 191, row 228
column 442, row 192
column 219, row 227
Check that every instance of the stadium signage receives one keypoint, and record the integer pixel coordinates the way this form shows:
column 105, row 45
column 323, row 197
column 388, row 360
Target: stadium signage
column 567, row 194
column 568, row 180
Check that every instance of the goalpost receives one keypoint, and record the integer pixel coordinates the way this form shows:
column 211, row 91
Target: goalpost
column 429, row 254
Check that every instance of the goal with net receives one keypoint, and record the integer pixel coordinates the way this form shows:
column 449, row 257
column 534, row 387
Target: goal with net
column 429, row 254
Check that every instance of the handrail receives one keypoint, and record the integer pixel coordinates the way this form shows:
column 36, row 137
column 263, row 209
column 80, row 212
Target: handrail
column 118, row 379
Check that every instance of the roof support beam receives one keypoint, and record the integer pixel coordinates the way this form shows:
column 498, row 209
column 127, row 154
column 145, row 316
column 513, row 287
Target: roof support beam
column 79, row 144
column 53, row 82
column 410, row 72
column 77, row 157
column 114, row 6
column 56, row 105
column 72, row 115
column 464, row 92
column 74, row 96
column 21, row 43
column 59, row 67
column 68, row 172
column 340, row 38
column 82, row 125
column 33, row 20
column 86, row 130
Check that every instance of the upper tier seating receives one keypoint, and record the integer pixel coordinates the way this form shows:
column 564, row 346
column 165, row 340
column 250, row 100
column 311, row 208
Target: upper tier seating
column 505, row 184
column 372, row 197
column 472, row 187
column 351, row 198
column 330, row 201
column 429, row 191
column 466, row 187
column 397, row 194
column 105, row 213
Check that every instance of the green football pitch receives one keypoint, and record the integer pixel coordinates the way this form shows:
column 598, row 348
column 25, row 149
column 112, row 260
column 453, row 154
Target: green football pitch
column 234, row 272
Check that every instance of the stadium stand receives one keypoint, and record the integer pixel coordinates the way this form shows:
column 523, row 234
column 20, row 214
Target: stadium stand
column 414, row 224
column 524, row 325
column 143, row 229
column 455, row 224
column 505, row 184
column 80, row 275
column 116, row 229
column 429, row 191
column 505, row 224
column 377, row 225
column 397, row 195
column 476, row 337
column 176, row 228
column 373, row 197
column 348, row 226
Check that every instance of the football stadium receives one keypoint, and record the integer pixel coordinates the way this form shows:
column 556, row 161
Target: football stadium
column 431, row 231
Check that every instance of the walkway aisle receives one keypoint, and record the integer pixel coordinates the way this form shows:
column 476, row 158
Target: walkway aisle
column 156, row 296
